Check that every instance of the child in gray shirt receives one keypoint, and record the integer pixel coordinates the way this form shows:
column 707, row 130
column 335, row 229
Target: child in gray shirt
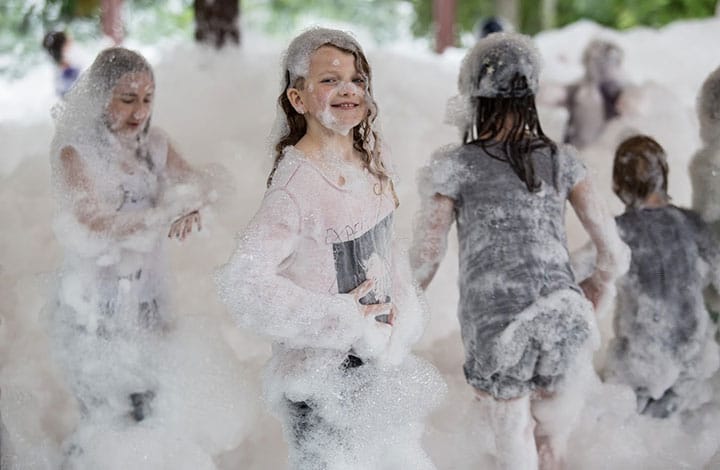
column 524, row 320
column 663, row 345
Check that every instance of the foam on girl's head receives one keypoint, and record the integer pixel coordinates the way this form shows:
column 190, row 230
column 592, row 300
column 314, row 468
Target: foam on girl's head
column 111, row 64
column 708, row 107
column 297, row 56
column 640, row 169
column 490, row 68
column 80, row 117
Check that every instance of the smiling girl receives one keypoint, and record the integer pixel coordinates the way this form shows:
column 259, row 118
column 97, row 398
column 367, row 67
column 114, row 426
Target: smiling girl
column 316, row 272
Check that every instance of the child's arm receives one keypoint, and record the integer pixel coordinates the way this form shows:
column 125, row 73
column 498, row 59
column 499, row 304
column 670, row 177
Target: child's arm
column 438, row 187
column 96, row 217
column 613, row 256
column 260, row 298
column 430, row 244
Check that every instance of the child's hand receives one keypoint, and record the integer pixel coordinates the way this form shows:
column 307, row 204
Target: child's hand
column 182, row 227
column 593, row 290
column 374, row 310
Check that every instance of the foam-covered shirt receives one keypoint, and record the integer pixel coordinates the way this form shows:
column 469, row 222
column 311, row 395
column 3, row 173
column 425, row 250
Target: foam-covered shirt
column 660, row 301
column 310, row 243
column 512, row 242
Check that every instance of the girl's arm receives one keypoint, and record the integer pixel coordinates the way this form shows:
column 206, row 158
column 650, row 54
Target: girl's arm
column 186, row 190
column 261, row 299
column 432, row 225
column 90, row 212
column 613, row 255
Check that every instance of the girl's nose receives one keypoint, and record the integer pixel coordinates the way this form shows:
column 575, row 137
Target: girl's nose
column 140, row 112
column 348, row 89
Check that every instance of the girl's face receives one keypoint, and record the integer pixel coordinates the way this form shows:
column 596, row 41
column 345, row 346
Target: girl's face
column 131, row 104
column 333, row 93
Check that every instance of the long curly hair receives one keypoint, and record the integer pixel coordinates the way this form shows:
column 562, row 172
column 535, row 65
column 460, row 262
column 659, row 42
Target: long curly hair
column 519, row 142
column 365, row 139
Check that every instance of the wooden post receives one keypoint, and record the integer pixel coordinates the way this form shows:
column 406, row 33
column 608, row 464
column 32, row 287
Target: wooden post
column 111, row 20
column 444, row 21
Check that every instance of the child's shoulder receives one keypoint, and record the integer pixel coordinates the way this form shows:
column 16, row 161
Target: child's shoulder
column 296, row 174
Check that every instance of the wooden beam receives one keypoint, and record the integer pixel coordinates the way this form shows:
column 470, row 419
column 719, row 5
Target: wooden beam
column 444, row 21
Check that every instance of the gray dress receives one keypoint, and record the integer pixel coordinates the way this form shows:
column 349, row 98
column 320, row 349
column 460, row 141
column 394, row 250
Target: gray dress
column 522, row 316
column 661, row 325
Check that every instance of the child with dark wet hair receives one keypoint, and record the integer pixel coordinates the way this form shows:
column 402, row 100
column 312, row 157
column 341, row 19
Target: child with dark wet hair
column 526, row 326
column 56, row 44
column 663, row 344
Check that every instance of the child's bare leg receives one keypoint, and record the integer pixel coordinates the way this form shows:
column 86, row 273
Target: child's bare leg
column 512, row 425
column 557, row 413
column 549, row 445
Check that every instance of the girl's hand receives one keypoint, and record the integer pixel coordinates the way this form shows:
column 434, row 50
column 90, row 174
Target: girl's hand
column 593, row 290
column 373, row 310
column 182, row 227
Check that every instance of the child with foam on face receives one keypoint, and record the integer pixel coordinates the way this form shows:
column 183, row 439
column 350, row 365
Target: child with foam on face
column 525, row 324
column 317, row 271
column 121, row 188
column 663, row 345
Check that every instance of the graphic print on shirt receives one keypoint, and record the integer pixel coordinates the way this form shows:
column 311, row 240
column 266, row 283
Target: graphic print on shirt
column 366, row 257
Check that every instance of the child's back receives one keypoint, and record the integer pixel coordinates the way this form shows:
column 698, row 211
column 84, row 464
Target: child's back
column 662, row 346
column 513, row 252
column 661, row 326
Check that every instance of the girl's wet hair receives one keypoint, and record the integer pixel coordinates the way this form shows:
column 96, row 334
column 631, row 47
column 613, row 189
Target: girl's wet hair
column 111, row 64
column 521, row 140
column 640, row 169
column 365, row 139
column 499, row 77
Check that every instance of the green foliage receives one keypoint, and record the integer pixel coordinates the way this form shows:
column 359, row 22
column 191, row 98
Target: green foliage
column 623, row 14
column 383, row 18
column 619, row 14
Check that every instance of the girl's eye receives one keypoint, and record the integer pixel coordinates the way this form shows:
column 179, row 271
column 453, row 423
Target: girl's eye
column 359, row 80
column 127, row 100
column 328, row 80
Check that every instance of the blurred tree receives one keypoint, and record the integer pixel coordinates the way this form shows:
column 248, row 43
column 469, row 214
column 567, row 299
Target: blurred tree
column 216, row 22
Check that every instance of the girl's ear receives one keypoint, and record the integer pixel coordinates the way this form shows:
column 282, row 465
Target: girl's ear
column 296, row 100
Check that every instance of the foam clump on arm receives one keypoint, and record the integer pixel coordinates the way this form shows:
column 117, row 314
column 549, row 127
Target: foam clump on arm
column 262, row 299
column 437, row 185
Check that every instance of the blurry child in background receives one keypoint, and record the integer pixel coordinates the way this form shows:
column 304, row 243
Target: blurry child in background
column 705, row 164
column 663, row 344
column 593, row 101
column 57, row 43
column 525, row 323
column 705, row 168
column 317, row 272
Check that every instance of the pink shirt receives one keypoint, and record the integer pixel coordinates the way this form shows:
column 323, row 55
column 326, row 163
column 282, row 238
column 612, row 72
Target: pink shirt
column 310, row 242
